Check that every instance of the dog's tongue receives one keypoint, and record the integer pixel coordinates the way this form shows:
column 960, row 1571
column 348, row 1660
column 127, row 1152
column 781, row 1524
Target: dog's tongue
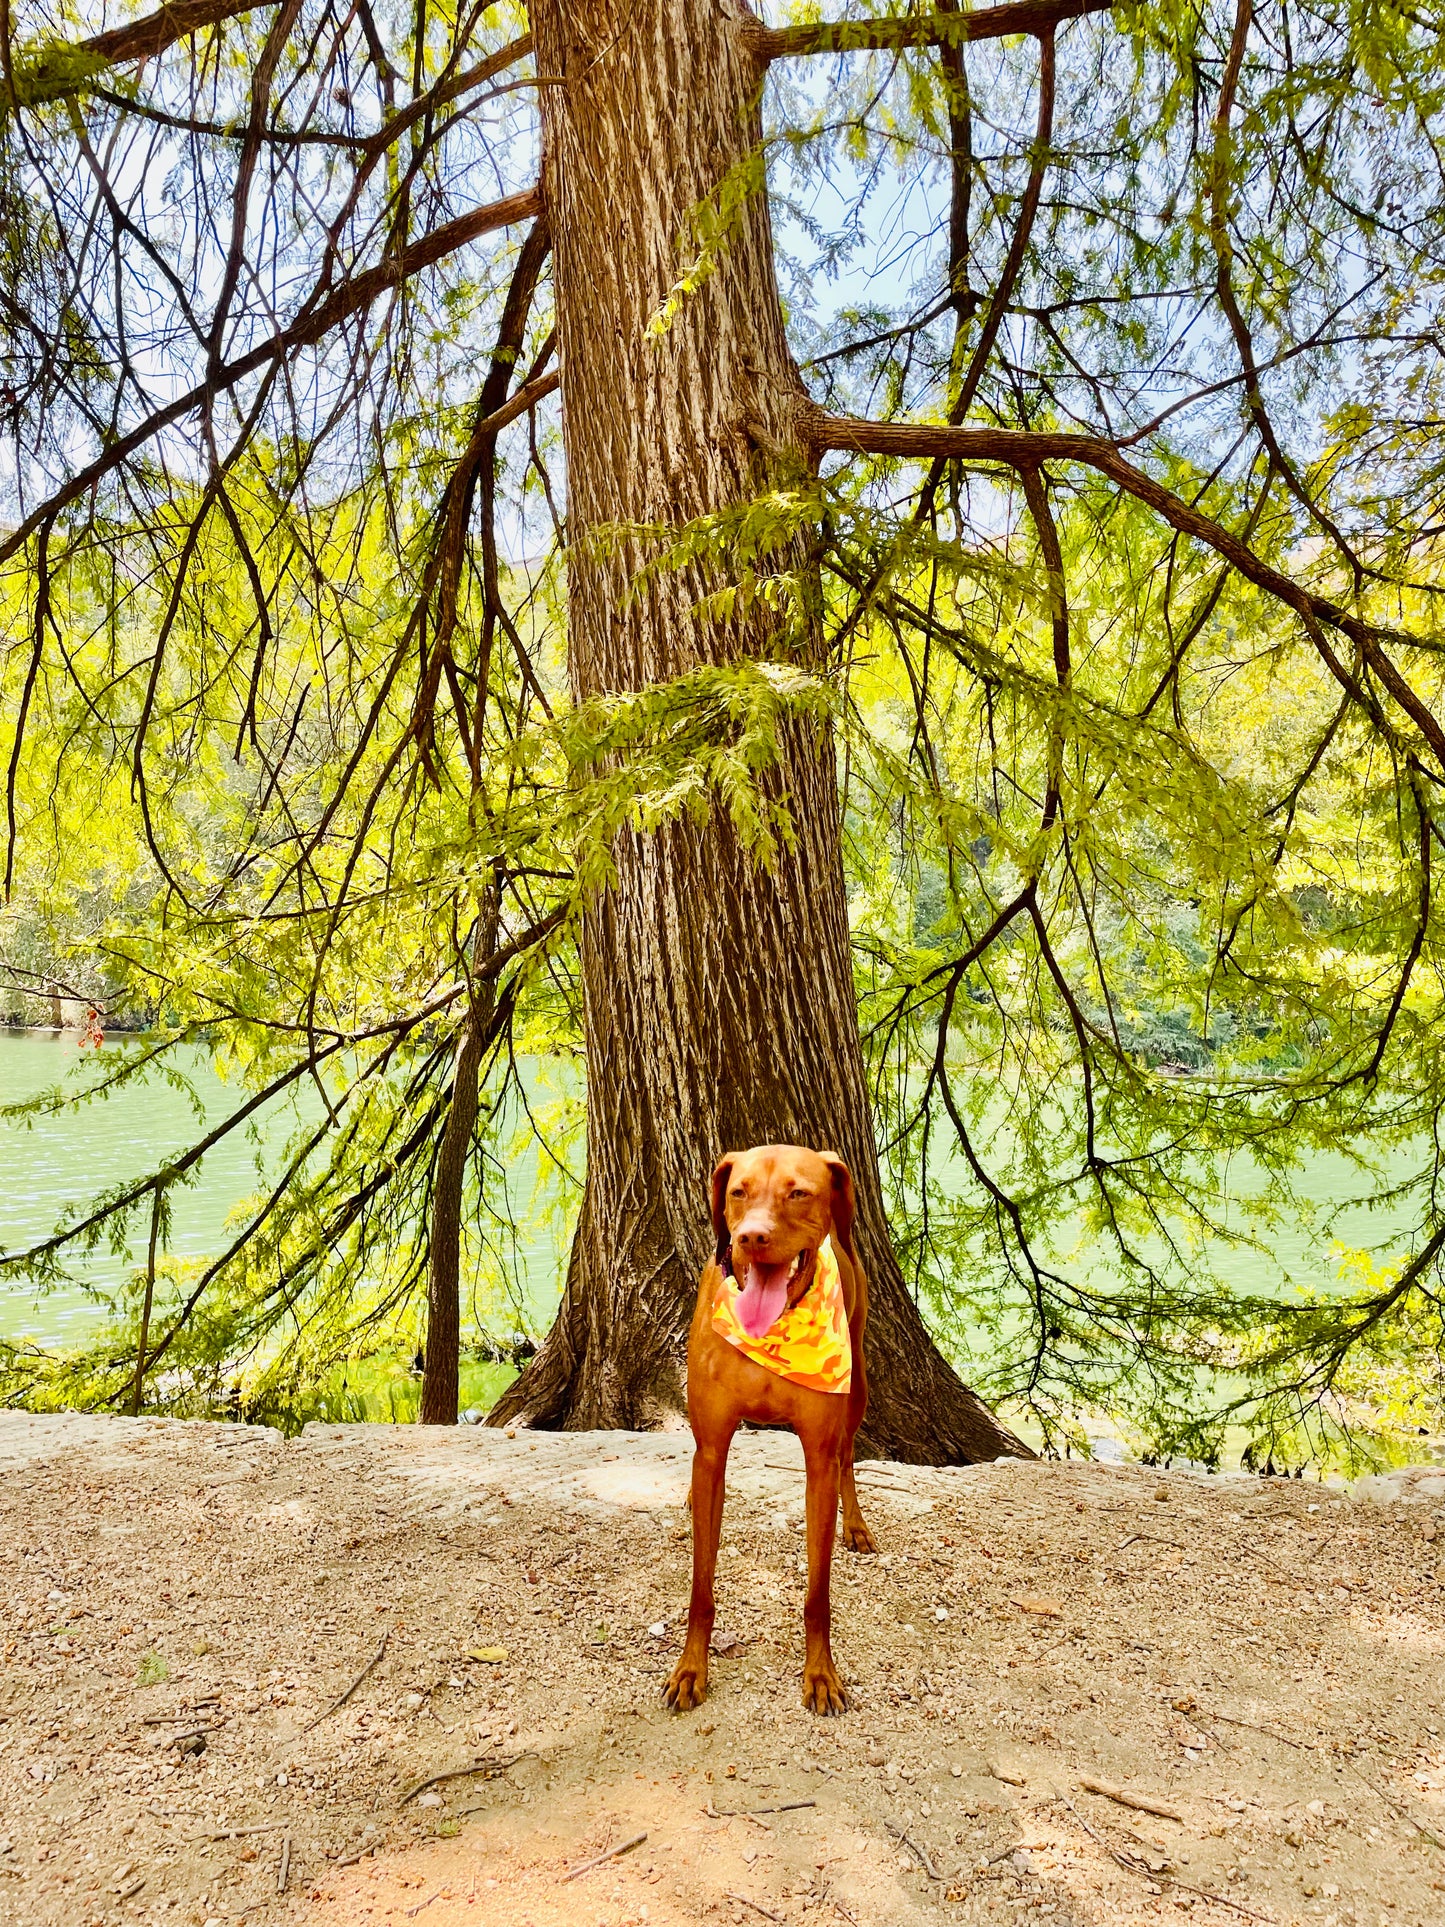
column 763, row 1296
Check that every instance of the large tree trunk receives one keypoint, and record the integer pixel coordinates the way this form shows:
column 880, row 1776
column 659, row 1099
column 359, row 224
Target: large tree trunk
column 719, row 999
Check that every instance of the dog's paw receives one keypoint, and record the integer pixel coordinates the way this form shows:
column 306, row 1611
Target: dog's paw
column 686, row 1689
column 824, row 1693
column 857, row 1538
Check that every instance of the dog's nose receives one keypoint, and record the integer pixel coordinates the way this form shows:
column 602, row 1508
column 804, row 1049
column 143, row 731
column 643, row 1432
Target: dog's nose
column 753, row 1236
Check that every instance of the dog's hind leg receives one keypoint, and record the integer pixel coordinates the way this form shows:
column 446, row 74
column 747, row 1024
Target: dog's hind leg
column 856, row 1536
column 687, row 1686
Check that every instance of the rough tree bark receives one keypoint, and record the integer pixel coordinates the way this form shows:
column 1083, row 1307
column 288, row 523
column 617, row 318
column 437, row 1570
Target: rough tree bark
column 719, row 1000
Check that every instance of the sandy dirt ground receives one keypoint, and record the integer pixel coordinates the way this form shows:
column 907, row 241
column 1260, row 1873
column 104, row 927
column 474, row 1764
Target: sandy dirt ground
column 184, row 1604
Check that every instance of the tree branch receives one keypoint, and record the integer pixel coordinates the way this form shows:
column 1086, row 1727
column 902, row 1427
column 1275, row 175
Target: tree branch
column 1219, row 215
column 51, row 72
column 310, row 327
column 1018, row 247
column 1022, row 449
column 922, row 30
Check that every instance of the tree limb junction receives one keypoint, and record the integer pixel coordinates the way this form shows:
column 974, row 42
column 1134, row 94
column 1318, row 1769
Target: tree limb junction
column 1022, row 449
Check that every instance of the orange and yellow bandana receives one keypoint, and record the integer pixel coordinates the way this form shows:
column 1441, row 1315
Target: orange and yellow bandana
column 808, row 1344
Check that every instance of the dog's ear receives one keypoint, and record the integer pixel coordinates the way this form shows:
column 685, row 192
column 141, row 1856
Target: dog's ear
column 722, row 1171
column 842, row 1198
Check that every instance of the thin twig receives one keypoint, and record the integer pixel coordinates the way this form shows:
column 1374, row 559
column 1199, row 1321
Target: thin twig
column 756, row 1905
column 1208, row 1893
column 283, row 1872
column 597, row 1859
column 1152, row 1538
column 1303, row 1746
column 1130, row 1864
column 1140, row 1802
column 337, row 1704
column 464, row 1772
column 176, row 1719
column 1401, row 1813
column 905, row 1838
column 747, row 1813
column 1313, row 1746
column 1251, row 1550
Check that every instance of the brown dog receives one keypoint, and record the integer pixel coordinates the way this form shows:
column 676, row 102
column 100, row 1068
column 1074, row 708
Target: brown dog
column 771, row 1209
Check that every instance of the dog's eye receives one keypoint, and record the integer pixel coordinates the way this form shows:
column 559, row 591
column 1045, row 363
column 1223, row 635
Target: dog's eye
column 801, row 1194
column 736, row 1192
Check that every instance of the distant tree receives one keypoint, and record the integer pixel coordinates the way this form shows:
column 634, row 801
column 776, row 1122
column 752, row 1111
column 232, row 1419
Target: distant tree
column 1100, row 534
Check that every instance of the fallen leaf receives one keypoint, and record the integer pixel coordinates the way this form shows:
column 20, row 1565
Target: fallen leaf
column 1035, row 1602
column 488, row 1655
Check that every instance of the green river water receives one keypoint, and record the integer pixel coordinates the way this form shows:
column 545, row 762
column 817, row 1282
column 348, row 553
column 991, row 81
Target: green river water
column 52, row 1163
column 69, row 1157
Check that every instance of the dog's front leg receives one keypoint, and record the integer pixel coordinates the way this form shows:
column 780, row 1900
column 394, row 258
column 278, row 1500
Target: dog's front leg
column 822, row 1689
column 687, row 1687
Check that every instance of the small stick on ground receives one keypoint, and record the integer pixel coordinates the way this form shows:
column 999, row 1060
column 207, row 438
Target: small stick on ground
column 747, row 1813
column 597, row 1859
column 756, row 1905
column 906, row 1839
column 1007, row 1853
column 337, row 1704
column 239, row 1833
column 1148, row 1538
column 1220, row 1900
column 1140, row 1802
column 1300, row 1746
column 463, row 1773
column 1399, row 1812
column 1311, row 1746
column 1131, row 1864
column 283, row 1872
